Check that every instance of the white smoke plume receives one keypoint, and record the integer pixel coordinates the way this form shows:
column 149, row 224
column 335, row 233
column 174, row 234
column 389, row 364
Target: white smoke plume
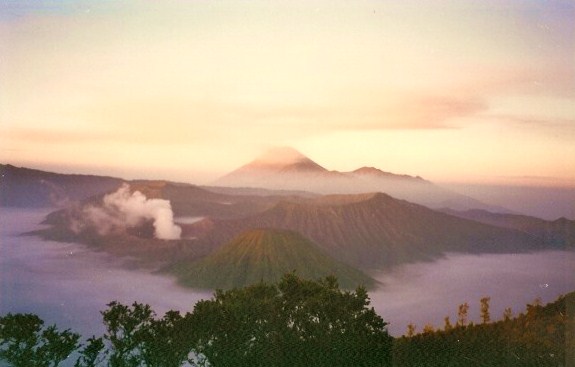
column 125, row 209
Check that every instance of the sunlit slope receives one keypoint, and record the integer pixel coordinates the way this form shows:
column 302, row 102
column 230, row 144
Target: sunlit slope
column 376, row 230
column 265, row 255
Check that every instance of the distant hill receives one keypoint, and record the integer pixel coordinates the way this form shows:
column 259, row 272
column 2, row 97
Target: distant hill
column 373, row 230
column 288, row 169
column 192, row 201
column 30, row 188
column 187, row 200
column 559, row 232
column 266, row 255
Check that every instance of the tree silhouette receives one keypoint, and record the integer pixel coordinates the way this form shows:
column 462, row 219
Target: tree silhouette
column 137, row 338
column 485, row 317
column 462, row 314
column 428, row 328
column 92, row 354
column 507, row 314
column 296, row 323
column 410, row 330
column 448, row 326
column 126, row 328
column 24, row 342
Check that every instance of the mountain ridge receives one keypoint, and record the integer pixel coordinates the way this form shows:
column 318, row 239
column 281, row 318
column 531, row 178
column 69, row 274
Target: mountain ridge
column 33, row 188
column 375, row 230
column 560, row 232
column 373, row 171
column 298, row 172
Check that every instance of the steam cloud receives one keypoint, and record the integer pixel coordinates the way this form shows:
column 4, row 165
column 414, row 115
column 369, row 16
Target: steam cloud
column 124, row 209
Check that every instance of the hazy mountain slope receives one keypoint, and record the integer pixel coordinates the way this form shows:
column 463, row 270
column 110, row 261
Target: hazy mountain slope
column 541, row 201
column 186, row 201
column 285, row 169
column 376, row 172
column 288, row 169
column 560, row 232
column 254, row 191
column 278, row 160
column 24, row 187
column 265, row 255
column 375, row 230
column 193, row 201
column 414, row 189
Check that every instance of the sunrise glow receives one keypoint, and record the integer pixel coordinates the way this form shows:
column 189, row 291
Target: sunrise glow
column 454, row 91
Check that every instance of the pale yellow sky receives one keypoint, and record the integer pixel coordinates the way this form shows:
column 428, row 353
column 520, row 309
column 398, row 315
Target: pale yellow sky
column 449, row 90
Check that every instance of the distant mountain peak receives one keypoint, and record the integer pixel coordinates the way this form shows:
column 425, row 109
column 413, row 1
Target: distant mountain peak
column 279, row 160
column 285, row 159
column 285, row 168
column 281, row 155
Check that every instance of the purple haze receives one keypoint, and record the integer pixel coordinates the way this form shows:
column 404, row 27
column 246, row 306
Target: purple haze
column 68, row 284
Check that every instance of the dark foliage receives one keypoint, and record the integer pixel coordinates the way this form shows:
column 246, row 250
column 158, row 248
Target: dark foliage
column 25, row 342
column 135, row 337
column 296, row 323
column 293, row 323
column 543, row 336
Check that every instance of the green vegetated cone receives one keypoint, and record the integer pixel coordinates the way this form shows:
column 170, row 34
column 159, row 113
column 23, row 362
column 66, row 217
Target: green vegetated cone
column 266, row 255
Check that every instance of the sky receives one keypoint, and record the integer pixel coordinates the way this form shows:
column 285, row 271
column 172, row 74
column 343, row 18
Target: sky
column 453, row 90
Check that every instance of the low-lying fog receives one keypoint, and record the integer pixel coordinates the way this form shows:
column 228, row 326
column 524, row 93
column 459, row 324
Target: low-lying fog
column 68, row 284
column 427, row 292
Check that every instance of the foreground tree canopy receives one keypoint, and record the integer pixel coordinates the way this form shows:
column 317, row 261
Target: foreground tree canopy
column 297, row 322
column 293, row 323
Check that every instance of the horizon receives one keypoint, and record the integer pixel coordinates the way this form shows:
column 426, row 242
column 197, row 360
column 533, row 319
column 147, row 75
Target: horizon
column 208, row 180
column 457, row 92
